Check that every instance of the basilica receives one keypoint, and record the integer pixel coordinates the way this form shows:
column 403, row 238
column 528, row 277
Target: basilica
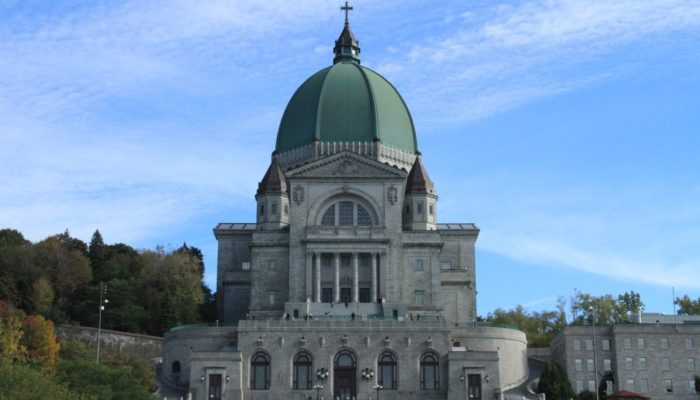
column 345, row 286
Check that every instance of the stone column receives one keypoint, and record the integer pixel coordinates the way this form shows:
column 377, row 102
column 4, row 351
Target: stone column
column 336, row 282
column 355, row 278
column 308, row 270
column 317, row 257
column 373, row 290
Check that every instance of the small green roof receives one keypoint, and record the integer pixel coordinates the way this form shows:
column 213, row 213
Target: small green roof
column 346, row 102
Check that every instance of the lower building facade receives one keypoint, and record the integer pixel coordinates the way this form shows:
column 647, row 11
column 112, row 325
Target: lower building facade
column 659, row 360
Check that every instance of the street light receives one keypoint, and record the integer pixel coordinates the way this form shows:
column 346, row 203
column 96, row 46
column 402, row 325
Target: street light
column 103, row 292
column 318, row 387
column 322, row 374
column 378, row 388
column 367, row 374
column 595, row 361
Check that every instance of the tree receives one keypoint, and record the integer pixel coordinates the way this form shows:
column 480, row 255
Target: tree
column 102, row 381
column 41, row 296
column 554, row 383
column 687, row 306
column 172, row 289
column 608, row 310
column 539, row 327
column 22, row 382
column 586, row 395
column 697, row 383
column 97, row 254
column 40, row 341
column 11, row 348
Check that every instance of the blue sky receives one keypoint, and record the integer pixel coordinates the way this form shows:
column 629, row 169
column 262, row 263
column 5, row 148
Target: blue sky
column 568, row 131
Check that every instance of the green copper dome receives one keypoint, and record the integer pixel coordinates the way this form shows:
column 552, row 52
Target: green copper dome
column 346, row 103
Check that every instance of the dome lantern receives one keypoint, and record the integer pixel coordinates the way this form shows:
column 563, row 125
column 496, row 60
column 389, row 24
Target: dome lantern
column 347, row 47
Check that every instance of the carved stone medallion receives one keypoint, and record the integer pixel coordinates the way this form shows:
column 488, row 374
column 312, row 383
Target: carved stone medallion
column 392, row 194
column 298, row 194
column 345, row 168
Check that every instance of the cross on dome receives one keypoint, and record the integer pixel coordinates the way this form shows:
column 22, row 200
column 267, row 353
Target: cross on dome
column 347, row 8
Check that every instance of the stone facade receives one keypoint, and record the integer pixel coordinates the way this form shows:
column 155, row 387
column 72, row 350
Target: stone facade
column 346, row 281
column 657, row 360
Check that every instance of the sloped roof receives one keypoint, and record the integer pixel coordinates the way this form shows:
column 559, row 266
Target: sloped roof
column 274, row 180
column 418, row 180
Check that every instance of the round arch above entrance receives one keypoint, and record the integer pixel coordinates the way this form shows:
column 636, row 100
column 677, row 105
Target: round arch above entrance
column 355, row 195
column 345, row 375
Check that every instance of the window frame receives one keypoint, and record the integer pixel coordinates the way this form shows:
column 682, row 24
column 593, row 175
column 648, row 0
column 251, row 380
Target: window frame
column 260, row 359
column 433, row 364
column 297, row 365
column 388, row 360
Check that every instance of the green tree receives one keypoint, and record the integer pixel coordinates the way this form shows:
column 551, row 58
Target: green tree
column 22, row 382
column 608, row 310
column 172, row 290
column 539, row 327
column 41, row 296
column 97, row 254
column 687, row 306
column 587, row 395
column 102, row 381
column 554, row 383
column 11, row 333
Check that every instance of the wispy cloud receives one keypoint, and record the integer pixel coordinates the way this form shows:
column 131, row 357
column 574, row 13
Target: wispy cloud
column 508, row 55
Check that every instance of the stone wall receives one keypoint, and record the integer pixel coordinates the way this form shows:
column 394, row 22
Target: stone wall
column 115, row 342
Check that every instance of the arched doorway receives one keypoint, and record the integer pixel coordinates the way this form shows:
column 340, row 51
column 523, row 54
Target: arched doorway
column 345, row 375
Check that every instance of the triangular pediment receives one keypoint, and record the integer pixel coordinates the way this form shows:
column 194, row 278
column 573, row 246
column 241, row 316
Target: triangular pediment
column 346, row 165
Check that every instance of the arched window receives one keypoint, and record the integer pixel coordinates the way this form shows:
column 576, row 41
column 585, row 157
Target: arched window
column 387, row 371
column 302, row 371
column 345, row 359
column 346, row 213
column 260, row 371
column 429, row 372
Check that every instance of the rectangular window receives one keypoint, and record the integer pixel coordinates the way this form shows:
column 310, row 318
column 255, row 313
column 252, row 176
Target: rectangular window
column 627, row 342
column 630, row 384
column 668, row 384
column 419, row 265
column 286, row 209
column 589, row 345
column 577, row 344
column 445, row 265
column 578, row 364
column 431, row 209
column 689, row 343
column 642, row 363
column 271, row 297
column 589, row 365
column 345, row 260
column 272, row 265
column 579, row 386
column 262, row 209
column 610, row 387
column 273, row 208
column 418, row 300
column 644, row 385
column 245, row 265
column 691, row 386
column 607, row 365
column 664, row 343
column 691, row 364
column 419, row 208
column 606, row 344
column 591, row 385
column 640, row 343
column 628, row 362
column 666, row 364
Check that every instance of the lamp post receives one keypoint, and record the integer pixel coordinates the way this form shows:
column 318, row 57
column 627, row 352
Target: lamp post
column 378, row 388
column 595, row 361
column 103, row 301
column 367, row 374
column 318, row 387
column 322, row 374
